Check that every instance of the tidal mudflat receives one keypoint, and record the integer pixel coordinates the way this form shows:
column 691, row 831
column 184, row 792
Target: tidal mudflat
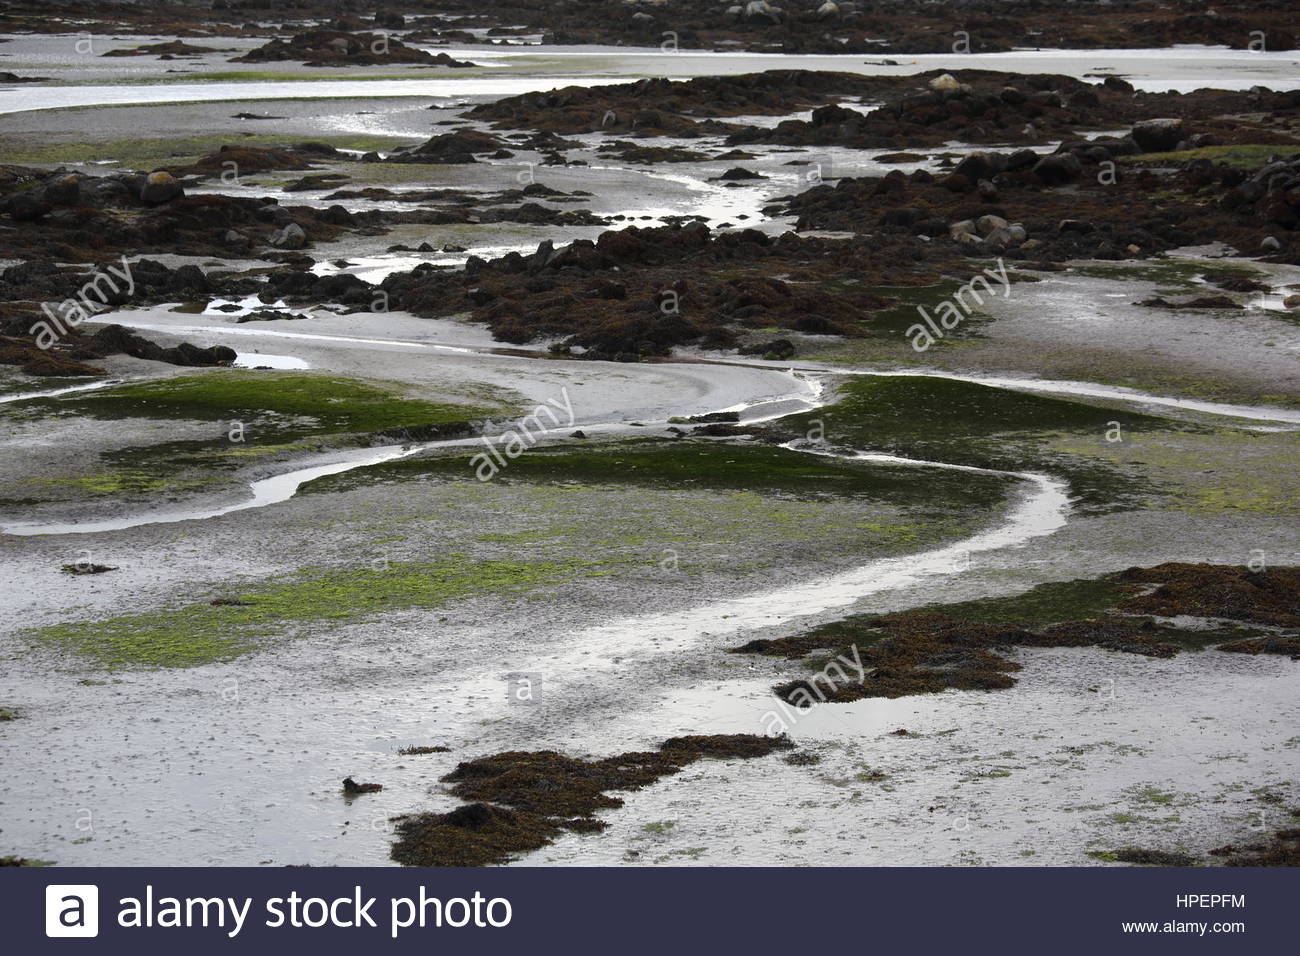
column 804, row 443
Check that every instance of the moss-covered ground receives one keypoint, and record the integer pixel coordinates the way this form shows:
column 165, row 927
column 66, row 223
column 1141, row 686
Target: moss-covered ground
column 703, row 464
column 261, row 416
column 225, row 626
column 965, row 423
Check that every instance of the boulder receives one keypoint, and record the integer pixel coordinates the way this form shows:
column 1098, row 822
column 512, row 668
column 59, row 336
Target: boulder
column 981, row 165
column 290, row 237
column 1057, row 169
column 1021, row 158
column 1158, row 135
column 999, row 237
column 1083, row 99
column 160, row 187
column 63, row 190
column 27, row 206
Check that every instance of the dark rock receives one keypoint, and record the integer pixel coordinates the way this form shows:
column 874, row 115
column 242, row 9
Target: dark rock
column 1057, row 169
column 1158, row 135
column 160, row 187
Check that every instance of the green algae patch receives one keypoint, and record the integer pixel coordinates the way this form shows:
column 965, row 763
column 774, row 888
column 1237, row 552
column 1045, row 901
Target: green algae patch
column 1219, row 472
column 1247, row 157
column 892, row 322
column 257, row 418
column 704, row 465
column 125, row 483
column 173, row 469
column 965, row 423
column 929, row 409
column 1045, row 604
column 334, row 403
column 226, row 627
column 1171, row 276
column 698, row 507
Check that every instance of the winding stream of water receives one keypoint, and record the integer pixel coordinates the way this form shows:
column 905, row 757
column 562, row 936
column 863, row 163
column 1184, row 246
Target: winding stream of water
column 279, row 488
column 1041, row 509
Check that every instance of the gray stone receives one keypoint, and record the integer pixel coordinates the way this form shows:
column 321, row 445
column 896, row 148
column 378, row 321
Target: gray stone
column 1158, row 135
column 999, row 237
column 1058, row 168
column 290, row 237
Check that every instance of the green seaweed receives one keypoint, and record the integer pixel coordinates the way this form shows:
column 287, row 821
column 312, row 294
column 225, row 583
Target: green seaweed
column 934, row 418
column 892, row 322
column 204, row 632
column 1173, row 276
column 711, row 465
column 336, row 404
column 265, row 416
column 1246, row 157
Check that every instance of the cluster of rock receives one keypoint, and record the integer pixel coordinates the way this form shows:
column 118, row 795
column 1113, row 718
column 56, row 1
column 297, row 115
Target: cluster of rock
column 1078, row 202
column 62, row 190
column 639, row 292
column 904, row 26
column 458, row 146
column 75, row 217
column 974, row 106
column 1272, row 193
column 69, row 357
column 338, row 48
column 792, row 26
column 663, row 107
column 988, row 230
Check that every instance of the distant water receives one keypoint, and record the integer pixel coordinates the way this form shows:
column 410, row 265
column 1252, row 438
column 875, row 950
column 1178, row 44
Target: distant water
column 1180, row 68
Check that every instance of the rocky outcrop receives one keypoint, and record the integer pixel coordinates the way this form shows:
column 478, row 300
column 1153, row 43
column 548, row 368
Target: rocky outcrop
column 338, row 48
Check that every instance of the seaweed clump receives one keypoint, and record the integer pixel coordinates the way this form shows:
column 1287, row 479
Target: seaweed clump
column 1213, row 590
column 1282, row 849
column 1288, row 645
column 522, row 800
column 960, row 646
column 1154, row 857
column 921, row 652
